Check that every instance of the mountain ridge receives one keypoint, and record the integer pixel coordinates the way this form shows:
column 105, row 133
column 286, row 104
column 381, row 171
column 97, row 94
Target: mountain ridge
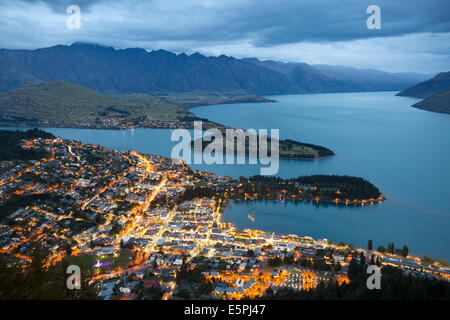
column 428, row 88
column 136, row 70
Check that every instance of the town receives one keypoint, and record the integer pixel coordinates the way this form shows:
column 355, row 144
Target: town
column 149, row 227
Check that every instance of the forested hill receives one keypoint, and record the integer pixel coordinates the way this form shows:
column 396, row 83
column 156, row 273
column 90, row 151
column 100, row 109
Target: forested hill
column 10, row 148
column 324, row 187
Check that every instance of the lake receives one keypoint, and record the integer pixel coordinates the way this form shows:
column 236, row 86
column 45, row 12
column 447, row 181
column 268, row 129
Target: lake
column 402, row 150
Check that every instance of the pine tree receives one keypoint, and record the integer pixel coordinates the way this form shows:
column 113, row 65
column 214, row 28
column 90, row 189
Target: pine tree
column 378, row 262
column 405, row 251
column 362, row 258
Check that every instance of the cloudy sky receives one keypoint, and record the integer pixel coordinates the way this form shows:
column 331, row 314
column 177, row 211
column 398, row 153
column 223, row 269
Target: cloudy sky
column 414, row 34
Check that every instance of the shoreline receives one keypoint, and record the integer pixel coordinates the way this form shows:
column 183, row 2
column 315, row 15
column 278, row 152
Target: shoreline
column 228, row 203
column 363, row 202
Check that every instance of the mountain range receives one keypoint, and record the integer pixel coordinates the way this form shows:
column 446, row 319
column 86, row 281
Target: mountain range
column 127, row 71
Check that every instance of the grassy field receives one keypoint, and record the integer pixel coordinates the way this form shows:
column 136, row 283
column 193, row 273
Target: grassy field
column 295, row 150
column 87, row 262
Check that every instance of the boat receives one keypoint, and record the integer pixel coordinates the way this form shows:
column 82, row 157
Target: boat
column 251, row 217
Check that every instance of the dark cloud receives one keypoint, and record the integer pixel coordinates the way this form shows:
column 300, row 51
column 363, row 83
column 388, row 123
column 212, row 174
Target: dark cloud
column 272, row 21
column 326, row 20
column 59, row 6
column 232, row 26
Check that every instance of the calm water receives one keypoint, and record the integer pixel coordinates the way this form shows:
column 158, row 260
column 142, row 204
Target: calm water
column 403, row 151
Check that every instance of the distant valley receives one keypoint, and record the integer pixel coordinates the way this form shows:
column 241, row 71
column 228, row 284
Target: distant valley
column 93, row 86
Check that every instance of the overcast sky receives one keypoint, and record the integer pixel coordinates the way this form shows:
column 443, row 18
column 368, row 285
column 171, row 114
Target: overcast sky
column 414, row 34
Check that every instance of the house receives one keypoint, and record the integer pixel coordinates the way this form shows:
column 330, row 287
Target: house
column 152, row 284
column 83, row 182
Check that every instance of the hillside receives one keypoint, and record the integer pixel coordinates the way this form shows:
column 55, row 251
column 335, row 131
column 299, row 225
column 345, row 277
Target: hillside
column 127, row 71
column 428, row 88
column 65, row 104
column 437, row 103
